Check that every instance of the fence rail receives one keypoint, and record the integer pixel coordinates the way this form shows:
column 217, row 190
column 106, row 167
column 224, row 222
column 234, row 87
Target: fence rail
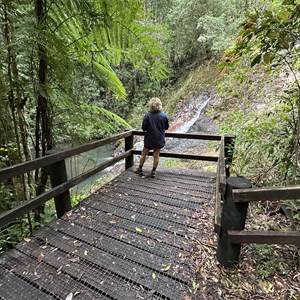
column 269, row 194
column 234, row 213
column 55, row 163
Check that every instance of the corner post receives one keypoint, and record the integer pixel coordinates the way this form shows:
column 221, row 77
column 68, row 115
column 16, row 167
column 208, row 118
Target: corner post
column 233, row 218
column 129, row 162
column 58, row 175
column 229, row 142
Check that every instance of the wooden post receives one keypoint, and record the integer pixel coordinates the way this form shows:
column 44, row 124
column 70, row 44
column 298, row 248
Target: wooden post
column 229, row 141
column 129, row 162
column 58, row 175
column 233, row 218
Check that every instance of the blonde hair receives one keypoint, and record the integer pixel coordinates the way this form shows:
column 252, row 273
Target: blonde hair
column 155, row 105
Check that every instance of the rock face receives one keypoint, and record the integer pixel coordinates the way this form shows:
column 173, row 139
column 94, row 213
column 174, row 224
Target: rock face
column 191, row 117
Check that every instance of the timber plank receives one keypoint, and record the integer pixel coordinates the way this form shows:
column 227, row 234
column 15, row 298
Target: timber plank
column 267, row 194
column 197, row 136
column 44, row 161
column 264, row 237
column 182, row 156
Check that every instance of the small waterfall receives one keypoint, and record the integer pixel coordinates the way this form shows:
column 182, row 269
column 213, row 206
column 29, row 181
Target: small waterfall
column 184, row 120
column 189, row 121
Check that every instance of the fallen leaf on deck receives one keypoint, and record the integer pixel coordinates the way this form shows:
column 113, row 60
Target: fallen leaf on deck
column 69, row 297
column 77, row 243
column 166, row 268
column 74, row 259
column 40, row 257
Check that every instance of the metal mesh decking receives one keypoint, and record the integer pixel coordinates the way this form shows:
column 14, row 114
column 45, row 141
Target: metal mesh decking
column 127, row 241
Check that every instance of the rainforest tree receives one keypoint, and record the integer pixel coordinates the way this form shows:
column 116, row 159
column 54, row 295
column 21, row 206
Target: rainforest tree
column 51, row 51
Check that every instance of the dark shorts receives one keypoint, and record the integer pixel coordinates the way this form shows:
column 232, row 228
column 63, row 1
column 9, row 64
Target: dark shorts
column 152, row 148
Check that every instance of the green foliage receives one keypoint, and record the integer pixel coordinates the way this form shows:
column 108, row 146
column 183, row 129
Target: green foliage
column 171, row 163
column 261, row 90
column 112, row 34
column 271, row 32
column 82, row 45
column 203, row 27
column 268, row 262
column 189, row 85
column 294, row 208
column 262, row 145
column 6, row 196
column 219, row 25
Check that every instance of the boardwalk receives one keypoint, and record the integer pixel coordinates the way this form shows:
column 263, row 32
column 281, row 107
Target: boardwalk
column 129, row 240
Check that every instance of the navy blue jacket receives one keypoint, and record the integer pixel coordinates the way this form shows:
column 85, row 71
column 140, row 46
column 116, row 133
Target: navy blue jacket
column 154, row 124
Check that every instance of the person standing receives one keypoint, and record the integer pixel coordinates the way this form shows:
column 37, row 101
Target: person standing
column 155, row 122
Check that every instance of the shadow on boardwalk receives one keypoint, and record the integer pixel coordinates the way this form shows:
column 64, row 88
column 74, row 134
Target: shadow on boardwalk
column 129, row 240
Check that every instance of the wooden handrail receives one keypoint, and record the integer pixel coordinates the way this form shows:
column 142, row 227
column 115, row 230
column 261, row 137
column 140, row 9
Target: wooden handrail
column 20, row 210
column 190, row 136
column 53, row 159
column 37, row 163
column 267, row 194
column 182, row 156
column 264, row 237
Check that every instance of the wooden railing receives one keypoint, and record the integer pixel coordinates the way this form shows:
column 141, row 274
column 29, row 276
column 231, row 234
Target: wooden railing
column 225, row 159
column 55, row 163
column 231, row 200
column 233, row 217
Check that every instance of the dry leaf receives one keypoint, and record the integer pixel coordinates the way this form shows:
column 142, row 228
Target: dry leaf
column 69, row 297
column 74, row 259
column 27, row 240
column 40, row 257
column 77, row 243
column 166, row 268
column 279, row 281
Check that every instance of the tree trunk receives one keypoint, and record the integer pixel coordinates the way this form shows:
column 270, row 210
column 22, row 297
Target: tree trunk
column 44, row 141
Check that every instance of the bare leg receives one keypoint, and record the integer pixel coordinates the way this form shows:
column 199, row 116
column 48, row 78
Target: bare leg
column 156, row 153
column 144, row 154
